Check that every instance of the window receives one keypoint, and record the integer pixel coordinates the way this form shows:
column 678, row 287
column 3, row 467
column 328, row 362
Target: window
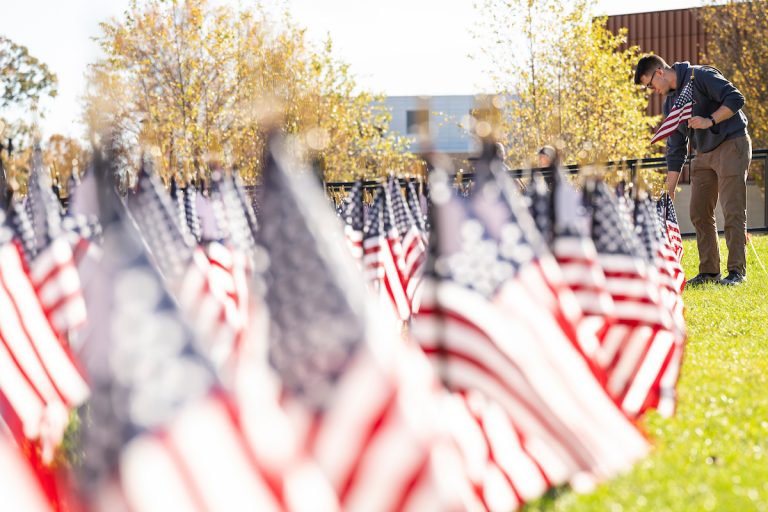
column 416, row 118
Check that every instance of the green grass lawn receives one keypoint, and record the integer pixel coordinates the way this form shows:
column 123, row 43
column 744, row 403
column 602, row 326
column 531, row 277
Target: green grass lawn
column 713, row 455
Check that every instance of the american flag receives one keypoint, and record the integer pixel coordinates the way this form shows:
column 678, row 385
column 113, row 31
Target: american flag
column 4, row 190
column 18, row 486
column 177, row 195
column 42, row 204
column 21, row 224
column 639, row 345
column 541, row 205
column 246, row 204
column 383, row 261
column 577, row 258
column 38, row 375
column 364, row 395
column 417, row 212
column 667, row 250
column 556, row 296
column 483, row 325
column 53, row 269
column 190, row 211
column 412, row 241
column 668, row 214
column 240, row 226
column 671, row 278
column 680, row 112
column 204, row 293
column 234, row 255
column 158, row 220
column 159, row 433
column 354, row 220
column 672, row 281
column 503, row 474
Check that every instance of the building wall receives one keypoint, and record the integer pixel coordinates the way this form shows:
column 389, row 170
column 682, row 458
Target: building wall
column 445, row 115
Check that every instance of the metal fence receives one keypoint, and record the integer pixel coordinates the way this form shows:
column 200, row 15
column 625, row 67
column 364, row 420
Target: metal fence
column 758, row 176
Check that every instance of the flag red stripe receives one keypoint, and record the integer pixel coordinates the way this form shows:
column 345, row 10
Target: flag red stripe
column 442, row 349
column 567, row 444
column 418, row 474
column 194, row 494
column 492, row 458
column 25, row 329
column 272, row 481
column 375, row 425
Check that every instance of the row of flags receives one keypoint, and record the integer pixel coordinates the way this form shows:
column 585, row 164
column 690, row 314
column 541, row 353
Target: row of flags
column 389, row 240
column 297, row 360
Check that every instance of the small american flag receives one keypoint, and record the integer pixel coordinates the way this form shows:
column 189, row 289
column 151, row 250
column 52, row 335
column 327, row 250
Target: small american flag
column 19, row 487
column 672, row 281
column 203, row 292
column 177, row 195
column 666, row 209
column 38, row 376
column 483, row 324
column 417, row 212
column 246, row 204
column 383, row 255
column 354, row 220
column 556, row 296
column 541, row 206
column 21, row 224
column 680, row 112
column 53, row 269
column 4, row 189
column 575, row 253
column 240, row 225
column 639, row 345
column 339, row 363
column 159, row 428
column 412, row 241
column 190, row 211
column 577, row 257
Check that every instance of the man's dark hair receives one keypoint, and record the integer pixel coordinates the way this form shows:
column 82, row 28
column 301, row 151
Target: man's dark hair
column 648, row 65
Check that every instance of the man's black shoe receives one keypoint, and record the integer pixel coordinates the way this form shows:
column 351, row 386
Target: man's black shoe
column 703, row 278
column 733, row 278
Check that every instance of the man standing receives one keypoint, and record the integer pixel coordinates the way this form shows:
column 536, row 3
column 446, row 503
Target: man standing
column 718, row 129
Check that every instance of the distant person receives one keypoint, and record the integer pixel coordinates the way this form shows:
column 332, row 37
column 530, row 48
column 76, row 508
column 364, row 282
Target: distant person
column 548, row 157
column 718, row 129
column 549, row 163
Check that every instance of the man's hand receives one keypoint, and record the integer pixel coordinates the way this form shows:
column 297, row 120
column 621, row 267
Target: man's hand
column 672, row 179
column 700, row 123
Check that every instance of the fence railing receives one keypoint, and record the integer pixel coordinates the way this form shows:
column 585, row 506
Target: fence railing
column 758, row 176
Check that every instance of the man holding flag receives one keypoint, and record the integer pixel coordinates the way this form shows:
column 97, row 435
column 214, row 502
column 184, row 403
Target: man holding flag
column 701, row 105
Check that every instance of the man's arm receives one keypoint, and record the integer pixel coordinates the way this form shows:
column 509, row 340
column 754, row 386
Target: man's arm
column 719, row 89
column 672, row 179
column 705, row 123
column 677, row 153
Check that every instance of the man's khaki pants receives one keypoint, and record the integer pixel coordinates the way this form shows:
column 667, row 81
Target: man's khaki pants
column 721, row 172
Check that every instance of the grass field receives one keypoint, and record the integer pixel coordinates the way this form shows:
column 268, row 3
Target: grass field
column 713, row 455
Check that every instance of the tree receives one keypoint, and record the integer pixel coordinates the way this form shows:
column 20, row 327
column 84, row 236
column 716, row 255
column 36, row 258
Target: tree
column 565, row 80
column 738, row 46
column 202, row 83
column 24, row 78
column 64, row 156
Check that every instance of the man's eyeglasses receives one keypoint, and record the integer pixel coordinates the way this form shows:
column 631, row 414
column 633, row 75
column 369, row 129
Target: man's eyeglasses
column 649, row 85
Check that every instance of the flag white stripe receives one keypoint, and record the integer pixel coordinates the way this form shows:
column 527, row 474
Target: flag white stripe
column 649, row 370
column 52, row 354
